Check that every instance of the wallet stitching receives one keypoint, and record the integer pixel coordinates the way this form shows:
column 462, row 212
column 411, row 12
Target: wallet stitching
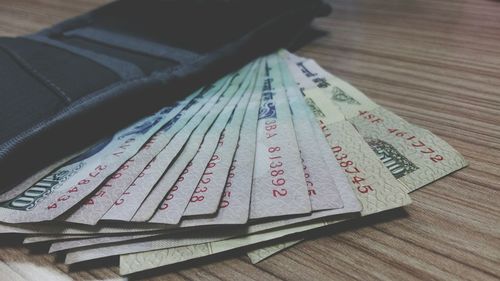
column 37, row 75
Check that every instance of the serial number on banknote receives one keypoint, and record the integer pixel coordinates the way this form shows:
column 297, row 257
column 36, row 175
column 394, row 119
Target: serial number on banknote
column 418, row 144
column 275, row 165
column 109, row 184
column 409, row 138
column 370, row 117
column 205, row 180
column 310, row 186
column 226, row 195
column 353, row 172
column 81, row 183
column 171, row 194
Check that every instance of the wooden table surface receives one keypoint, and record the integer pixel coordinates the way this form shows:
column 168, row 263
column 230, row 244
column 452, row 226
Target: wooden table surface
column 435, row 63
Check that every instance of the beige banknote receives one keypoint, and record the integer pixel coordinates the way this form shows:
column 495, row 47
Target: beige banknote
column 51, row 228
column 320, row 177
column 278, row 187
column 57, row 246
column 50, row 238
column 413, row 155
column 234, row 205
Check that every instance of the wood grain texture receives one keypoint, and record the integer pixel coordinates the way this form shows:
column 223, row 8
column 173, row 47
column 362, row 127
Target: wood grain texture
column 435, row 63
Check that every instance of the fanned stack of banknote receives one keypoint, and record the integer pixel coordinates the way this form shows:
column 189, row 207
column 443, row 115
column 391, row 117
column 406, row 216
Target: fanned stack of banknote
column 276, row 148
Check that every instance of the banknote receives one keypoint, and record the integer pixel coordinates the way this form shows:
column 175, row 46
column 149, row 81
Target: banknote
column 66, row 186
column 51, row 228
column 260, row 254
column 50, row 238
column 160, row 192
column 103, row 198
column 188, row 188
column 413, row 155
column 321, row 184
column 234, row 206
column 58, row 246
column 279, row 186
column 130, row 201
column 205, row 200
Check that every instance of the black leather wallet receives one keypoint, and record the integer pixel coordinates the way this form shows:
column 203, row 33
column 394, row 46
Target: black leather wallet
column 67, row 86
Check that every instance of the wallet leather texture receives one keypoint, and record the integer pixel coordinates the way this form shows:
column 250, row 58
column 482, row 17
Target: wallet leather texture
column 67, row 86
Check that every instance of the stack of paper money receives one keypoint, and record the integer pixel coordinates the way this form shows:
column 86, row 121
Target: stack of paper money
column 279, row 147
